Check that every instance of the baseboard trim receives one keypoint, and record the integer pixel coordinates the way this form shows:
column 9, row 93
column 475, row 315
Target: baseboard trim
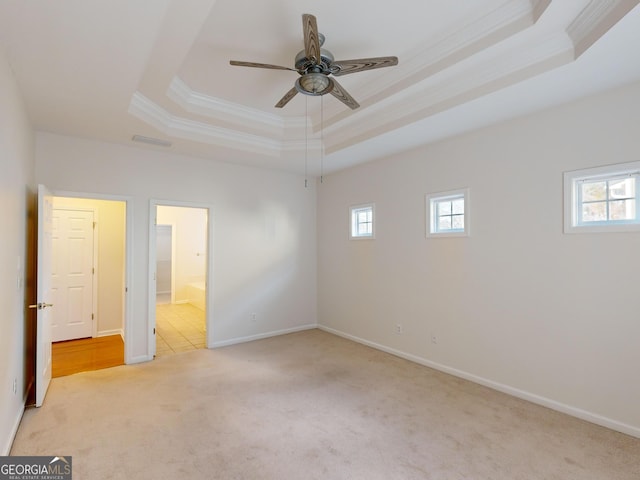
column 138, row 359
column 515, row 392
column 6, row 448
column 108, row 333
column 261, row 336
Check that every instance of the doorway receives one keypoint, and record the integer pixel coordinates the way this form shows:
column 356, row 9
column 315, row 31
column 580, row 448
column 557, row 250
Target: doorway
column 180, row 278
column 88, row 276
column 38, row 340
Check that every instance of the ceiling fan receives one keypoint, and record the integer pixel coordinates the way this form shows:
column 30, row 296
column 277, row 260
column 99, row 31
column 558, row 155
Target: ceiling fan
column 317, row 67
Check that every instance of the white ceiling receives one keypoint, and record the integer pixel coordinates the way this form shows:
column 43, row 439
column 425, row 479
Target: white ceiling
column 110, row 69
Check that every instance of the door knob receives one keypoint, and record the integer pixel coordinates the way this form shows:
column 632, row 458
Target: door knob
column 41, row 305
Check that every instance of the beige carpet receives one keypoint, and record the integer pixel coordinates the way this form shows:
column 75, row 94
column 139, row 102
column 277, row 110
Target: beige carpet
column 309, row 406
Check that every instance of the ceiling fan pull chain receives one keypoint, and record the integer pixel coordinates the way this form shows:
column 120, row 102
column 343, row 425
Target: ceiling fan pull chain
column 306, row 141
column 321, row 138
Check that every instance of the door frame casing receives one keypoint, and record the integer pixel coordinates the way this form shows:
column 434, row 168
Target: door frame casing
column 128, row 261
column 151, row 320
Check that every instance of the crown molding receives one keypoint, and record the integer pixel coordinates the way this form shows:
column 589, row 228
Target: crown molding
column 311, row 146
column 187, row 129
column 472, row 37
column 461, row 43
column 455, row 88
column 595, row 20
column 459, row 68
column 480, row 79
column 538, row 7
column 414, row 103
column 174, row 126
column 228, row 112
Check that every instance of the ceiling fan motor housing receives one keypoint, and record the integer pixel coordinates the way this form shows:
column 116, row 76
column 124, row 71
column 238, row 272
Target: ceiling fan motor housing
column 304, row 64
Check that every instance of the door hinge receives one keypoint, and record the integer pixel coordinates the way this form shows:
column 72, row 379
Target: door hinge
column 92, row 316
column 154, row 330
column 94, row 225
column 93, row 270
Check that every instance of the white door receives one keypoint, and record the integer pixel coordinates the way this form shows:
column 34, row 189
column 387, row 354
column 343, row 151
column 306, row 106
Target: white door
column 72, row 274
column 43, row 322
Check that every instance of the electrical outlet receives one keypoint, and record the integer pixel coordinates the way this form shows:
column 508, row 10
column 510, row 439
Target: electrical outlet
column 254, row 315
column 398, row 329
column 15, row 386
column 434, row 339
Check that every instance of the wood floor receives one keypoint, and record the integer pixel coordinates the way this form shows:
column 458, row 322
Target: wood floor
column 86, row 354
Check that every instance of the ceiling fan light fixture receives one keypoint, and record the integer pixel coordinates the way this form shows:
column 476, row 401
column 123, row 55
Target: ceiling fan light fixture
column 316, row 65
column 314, row 83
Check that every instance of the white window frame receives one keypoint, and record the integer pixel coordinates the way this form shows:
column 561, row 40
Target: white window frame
column 572, row 202
column 432, row 199
column 353, row 210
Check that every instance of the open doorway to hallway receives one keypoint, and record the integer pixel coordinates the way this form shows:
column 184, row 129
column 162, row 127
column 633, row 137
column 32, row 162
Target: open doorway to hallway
column 88, row 284
column 181, row 278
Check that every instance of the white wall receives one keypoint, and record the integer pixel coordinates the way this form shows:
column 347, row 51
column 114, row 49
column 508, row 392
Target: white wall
column 16, row 195
column 110, row 263
column 264, row 245
column 518, row 305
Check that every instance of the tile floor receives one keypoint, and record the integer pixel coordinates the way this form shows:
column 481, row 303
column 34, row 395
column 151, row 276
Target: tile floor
column 179, row 328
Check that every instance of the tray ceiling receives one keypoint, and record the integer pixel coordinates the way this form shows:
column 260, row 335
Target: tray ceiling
column 114, row 69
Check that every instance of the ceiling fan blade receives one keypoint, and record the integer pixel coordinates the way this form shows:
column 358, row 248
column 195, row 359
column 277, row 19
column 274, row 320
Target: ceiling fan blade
column 311, row 39
column 362, row 64
column 259, row 65
column 342, row 95
column 287, row 96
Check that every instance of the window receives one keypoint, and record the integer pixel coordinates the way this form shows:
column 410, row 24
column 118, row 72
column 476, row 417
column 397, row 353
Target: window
column 362, row 219
column 603, row 199
column 448, row 214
